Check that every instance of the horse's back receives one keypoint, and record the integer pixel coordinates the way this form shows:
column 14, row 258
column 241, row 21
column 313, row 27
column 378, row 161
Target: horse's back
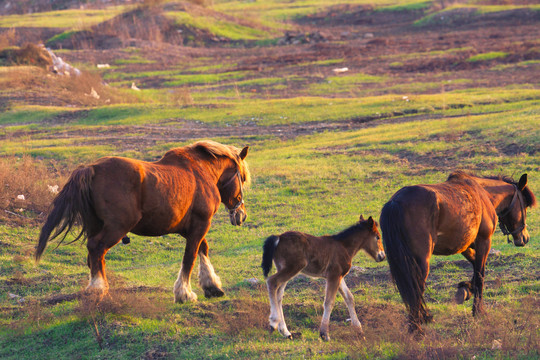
column 149, row 197
column 445, row 217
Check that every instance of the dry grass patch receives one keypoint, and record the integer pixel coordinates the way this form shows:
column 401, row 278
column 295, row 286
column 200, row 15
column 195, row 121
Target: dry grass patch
column 24, row 84
column 27, row 188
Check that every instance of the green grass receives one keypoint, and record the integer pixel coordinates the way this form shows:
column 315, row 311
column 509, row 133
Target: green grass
column 443, row 16
column 227, row 29
column 72, row 18
column 488, row 56
column 318, row 184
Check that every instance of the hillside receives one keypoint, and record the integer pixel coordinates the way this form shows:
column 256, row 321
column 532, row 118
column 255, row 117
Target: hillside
column 342, row 104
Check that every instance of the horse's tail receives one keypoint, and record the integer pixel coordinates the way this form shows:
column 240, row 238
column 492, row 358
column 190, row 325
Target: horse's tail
column 269, row 248
column 73, row 205
column 404, row 268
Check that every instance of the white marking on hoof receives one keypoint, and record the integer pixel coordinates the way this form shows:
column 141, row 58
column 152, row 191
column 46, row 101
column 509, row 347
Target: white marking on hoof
column 97, row 284
column 182, row 290
column 207, row 275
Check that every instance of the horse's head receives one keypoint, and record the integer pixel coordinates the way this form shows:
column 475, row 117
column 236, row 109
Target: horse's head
column 512, row 219
column 232, row 189
column 373, row 245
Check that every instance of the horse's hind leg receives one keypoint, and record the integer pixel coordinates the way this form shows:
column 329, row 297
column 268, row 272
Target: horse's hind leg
column 208, row 279
column 418, row 312
column 349, row 300
column 98, row 246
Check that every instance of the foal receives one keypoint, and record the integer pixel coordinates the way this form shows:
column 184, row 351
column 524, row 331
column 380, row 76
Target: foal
column 328, row 257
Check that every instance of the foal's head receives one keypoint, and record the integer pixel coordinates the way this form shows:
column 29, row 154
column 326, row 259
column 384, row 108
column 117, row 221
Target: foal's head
column 372, row 239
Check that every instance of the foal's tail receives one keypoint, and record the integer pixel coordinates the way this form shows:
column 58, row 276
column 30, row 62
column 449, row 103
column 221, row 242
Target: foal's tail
column 269, row 248
column 404, row 268
column 73, row 205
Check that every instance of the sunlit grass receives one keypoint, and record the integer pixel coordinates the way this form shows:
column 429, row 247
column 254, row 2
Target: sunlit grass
column 72, row 18
column 227, row 29
column 488, row 56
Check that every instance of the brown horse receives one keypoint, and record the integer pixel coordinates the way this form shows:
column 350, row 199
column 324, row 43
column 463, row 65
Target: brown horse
column 328, row 257
column 180, row 193
column 458, row 216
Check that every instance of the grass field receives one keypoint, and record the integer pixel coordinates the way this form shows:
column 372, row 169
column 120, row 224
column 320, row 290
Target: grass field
column 325, row 147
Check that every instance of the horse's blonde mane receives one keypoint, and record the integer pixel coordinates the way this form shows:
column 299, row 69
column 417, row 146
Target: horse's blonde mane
column 216, row 149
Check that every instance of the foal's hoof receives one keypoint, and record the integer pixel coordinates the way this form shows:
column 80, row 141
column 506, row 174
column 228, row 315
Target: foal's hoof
column 213, row 292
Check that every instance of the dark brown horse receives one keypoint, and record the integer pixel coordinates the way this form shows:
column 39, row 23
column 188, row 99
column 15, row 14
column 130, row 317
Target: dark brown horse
column 458, row 216
column 180, row 193
column 328, row 257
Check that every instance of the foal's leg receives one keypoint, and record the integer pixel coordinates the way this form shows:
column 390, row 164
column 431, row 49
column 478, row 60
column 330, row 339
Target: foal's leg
column 182, row 286
column 276, row 288
column 349, row 300
column 208, row 279
column 332, row 284
column 276, row 285
column 282, row 327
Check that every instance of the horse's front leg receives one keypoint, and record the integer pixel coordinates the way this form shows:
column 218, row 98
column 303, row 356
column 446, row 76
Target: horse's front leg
column 208, row 279
column 182, row 285
column 332, row 286
column 465, row 288
column 482, row 251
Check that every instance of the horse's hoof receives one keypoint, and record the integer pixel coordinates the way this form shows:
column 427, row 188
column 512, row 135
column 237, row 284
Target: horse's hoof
column 416, row 331
column 184, row 298
column 463, row 294
column 325, row 336
column 428, row 318
column 213, row 292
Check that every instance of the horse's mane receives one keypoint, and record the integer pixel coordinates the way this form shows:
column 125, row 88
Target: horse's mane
column 530, row 199
column 216, row 149
column 347, row 232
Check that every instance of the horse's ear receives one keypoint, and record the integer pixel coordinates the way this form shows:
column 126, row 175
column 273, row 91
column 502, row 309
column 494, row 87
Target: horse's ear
column 371, row 224
column 522, row 182
column 361, row 218
column 244, row 152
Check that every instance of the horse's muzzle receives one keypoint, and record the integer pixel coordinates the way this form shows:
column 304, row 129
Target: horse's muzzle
column 522, row 238
column 238, row 217
column 380, row 256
